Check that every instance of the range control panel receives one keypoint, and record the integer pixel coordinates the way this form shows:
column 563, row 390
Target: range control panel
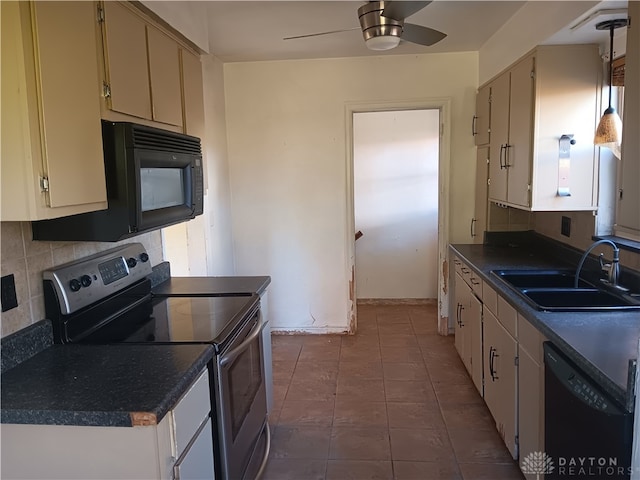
column 88, row 280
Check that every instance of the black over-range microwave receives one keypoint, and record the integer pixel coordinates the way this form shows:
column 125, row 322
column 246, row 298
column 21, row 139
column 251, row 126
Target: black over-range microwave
column 154, row 179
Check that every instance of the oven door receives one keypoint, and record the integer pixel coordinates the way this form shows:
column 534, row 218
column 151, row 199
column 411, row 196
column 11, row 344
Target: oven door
column 242, row 400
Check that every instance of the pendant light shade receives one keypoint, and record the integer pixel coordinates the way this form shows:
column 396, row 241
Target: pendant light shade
column 609, row 131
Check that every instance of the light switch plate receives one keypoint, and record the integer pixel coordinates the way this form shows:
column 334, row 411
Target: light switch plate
column 565, row 227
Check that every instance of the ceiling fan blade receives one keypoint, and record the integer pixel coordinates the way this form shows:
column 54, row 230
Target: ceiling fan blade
column 322, row 33
column 401, row 10
column 421, row 35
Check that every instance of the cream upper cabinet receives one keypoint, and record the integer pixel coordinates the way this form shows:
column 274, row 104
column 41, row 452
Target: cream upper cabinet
column 518, row 149
column 548, row 94
column 479, row 220
column 481, row 126
column 52, row 162
column 192, row 91
column 511, row 109
column 126, row 60
column 628, row 214
column 141, row 68
column 164, row 74
column 499, row 137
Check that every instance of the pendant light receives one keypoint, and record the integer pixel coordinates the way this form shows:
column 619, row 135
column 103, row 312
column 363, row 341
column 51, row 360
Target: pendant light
column 610, row 127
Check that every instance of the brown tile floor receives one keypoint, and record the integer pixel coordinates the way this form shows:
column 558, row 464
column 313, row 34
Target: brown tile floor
column 392, row 402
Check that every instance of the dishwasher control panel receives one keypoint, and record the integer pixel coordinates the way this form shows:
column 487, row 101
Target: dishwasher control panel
column 577, row 383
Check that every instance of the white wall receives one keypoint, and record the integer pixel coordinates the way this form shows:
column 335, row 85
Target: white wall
column 203, row 246
column 189, row 18
column 287, row 158
column 396, row 157
column 532, row 25
column 219, row 243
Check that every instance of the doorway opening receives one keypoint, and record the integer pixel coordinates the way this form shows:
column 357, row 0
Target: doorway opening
column 399, row 213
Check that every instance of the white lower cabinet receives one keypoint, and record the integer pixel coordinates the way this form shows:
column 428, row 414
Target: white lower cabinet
column 196, row 462
column 468, row 329
column 461, row 303
column 504, row 356
column 180, row 446
column 475, row 343
column 501, row 378
column 530, row 392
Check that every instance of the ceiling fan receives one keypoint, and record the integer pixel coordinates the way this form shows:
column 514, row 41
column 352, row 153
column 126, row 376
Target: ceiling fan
column 383, row 25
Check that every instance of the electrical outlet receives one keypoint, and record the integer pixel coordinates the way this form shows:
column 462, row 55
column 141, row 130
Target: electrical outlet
column 565, row 227
column 8, row 295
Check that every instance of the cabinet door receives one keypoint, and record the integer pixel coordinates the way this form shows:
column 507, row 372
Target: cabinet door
column 164, row 75
column 50, row 124
column 530, row 376
column 474, row 332
column 505, row 368
column 519, row 152
column 192, row 88
column 499, row 137
column 500, row 371
column 481, row 120
column 479, row 221
column 18, row 184
column 491, row 385
column 66, row 47
column 461, row 293
column 126, row 62
column 197, row 461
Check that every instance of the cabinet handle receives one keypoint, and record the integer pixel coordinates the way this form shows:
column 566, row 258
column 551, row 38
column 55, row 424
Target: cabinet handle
column 492, row 355
column 473, row 227
column 465, row 270
column 503, row 154
column 474, row 281
column 474, row 132
column 506, row 155
column 460, row 309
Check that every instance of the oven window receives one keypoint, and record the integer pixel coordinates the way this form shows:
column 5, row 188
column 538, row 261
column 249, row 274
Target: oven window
column 245, row 378
column 161, row 188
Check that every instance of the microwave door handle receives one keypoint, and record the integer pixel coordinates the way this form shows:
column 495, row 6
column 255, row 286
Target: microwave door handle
column 234, row 353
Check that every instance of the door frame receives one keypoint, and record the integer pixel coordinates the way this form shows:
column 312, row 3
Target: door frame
column 444, row 153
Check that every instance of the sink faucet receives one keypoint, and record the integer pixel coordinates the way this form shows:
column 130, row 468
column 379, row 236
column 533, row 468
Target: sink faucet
column 612, row 269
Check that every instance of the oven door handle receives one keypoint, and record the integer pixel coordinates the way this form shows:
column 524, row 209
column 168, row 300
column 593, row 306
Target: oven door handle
column 234, row 353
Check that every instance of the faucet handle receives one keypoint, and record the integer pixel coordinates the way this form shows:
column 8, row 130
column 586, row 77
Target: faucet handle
column 604, row 265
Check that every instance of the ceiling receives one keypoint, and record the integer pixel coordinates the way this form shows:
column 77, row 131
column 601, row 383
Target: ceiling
column 254, row 30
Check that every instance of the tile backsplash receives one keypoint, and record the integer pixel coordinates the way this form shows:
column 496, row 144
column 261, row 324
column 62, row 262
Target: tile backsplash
column 27, row 259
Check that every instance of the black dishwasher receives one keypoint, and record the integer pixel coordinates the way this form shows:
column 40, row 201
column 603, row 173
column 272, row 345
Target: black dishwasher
column 587, row 434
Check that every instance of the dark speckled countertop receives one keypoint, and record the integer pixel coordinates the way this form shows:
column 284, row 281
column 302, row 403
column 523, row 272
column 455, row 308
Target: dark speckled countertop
column 100, row 385
column 601, row 343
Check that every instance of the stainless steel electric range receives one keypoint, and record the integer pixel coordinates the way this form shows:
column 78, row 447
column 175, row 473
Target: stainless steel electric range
column 106, row 298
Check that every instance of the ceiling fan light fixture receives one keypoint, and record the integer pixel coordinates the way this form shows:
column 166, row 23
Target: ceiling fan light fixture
column 381, row 43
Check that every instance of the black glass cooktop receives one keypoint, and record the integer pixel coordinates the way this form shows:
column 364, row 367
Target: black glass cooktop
column 183, row 320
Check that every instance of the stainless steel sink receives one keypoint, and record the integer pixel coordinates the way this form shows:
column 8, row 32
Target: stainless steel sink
column 553, row 290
